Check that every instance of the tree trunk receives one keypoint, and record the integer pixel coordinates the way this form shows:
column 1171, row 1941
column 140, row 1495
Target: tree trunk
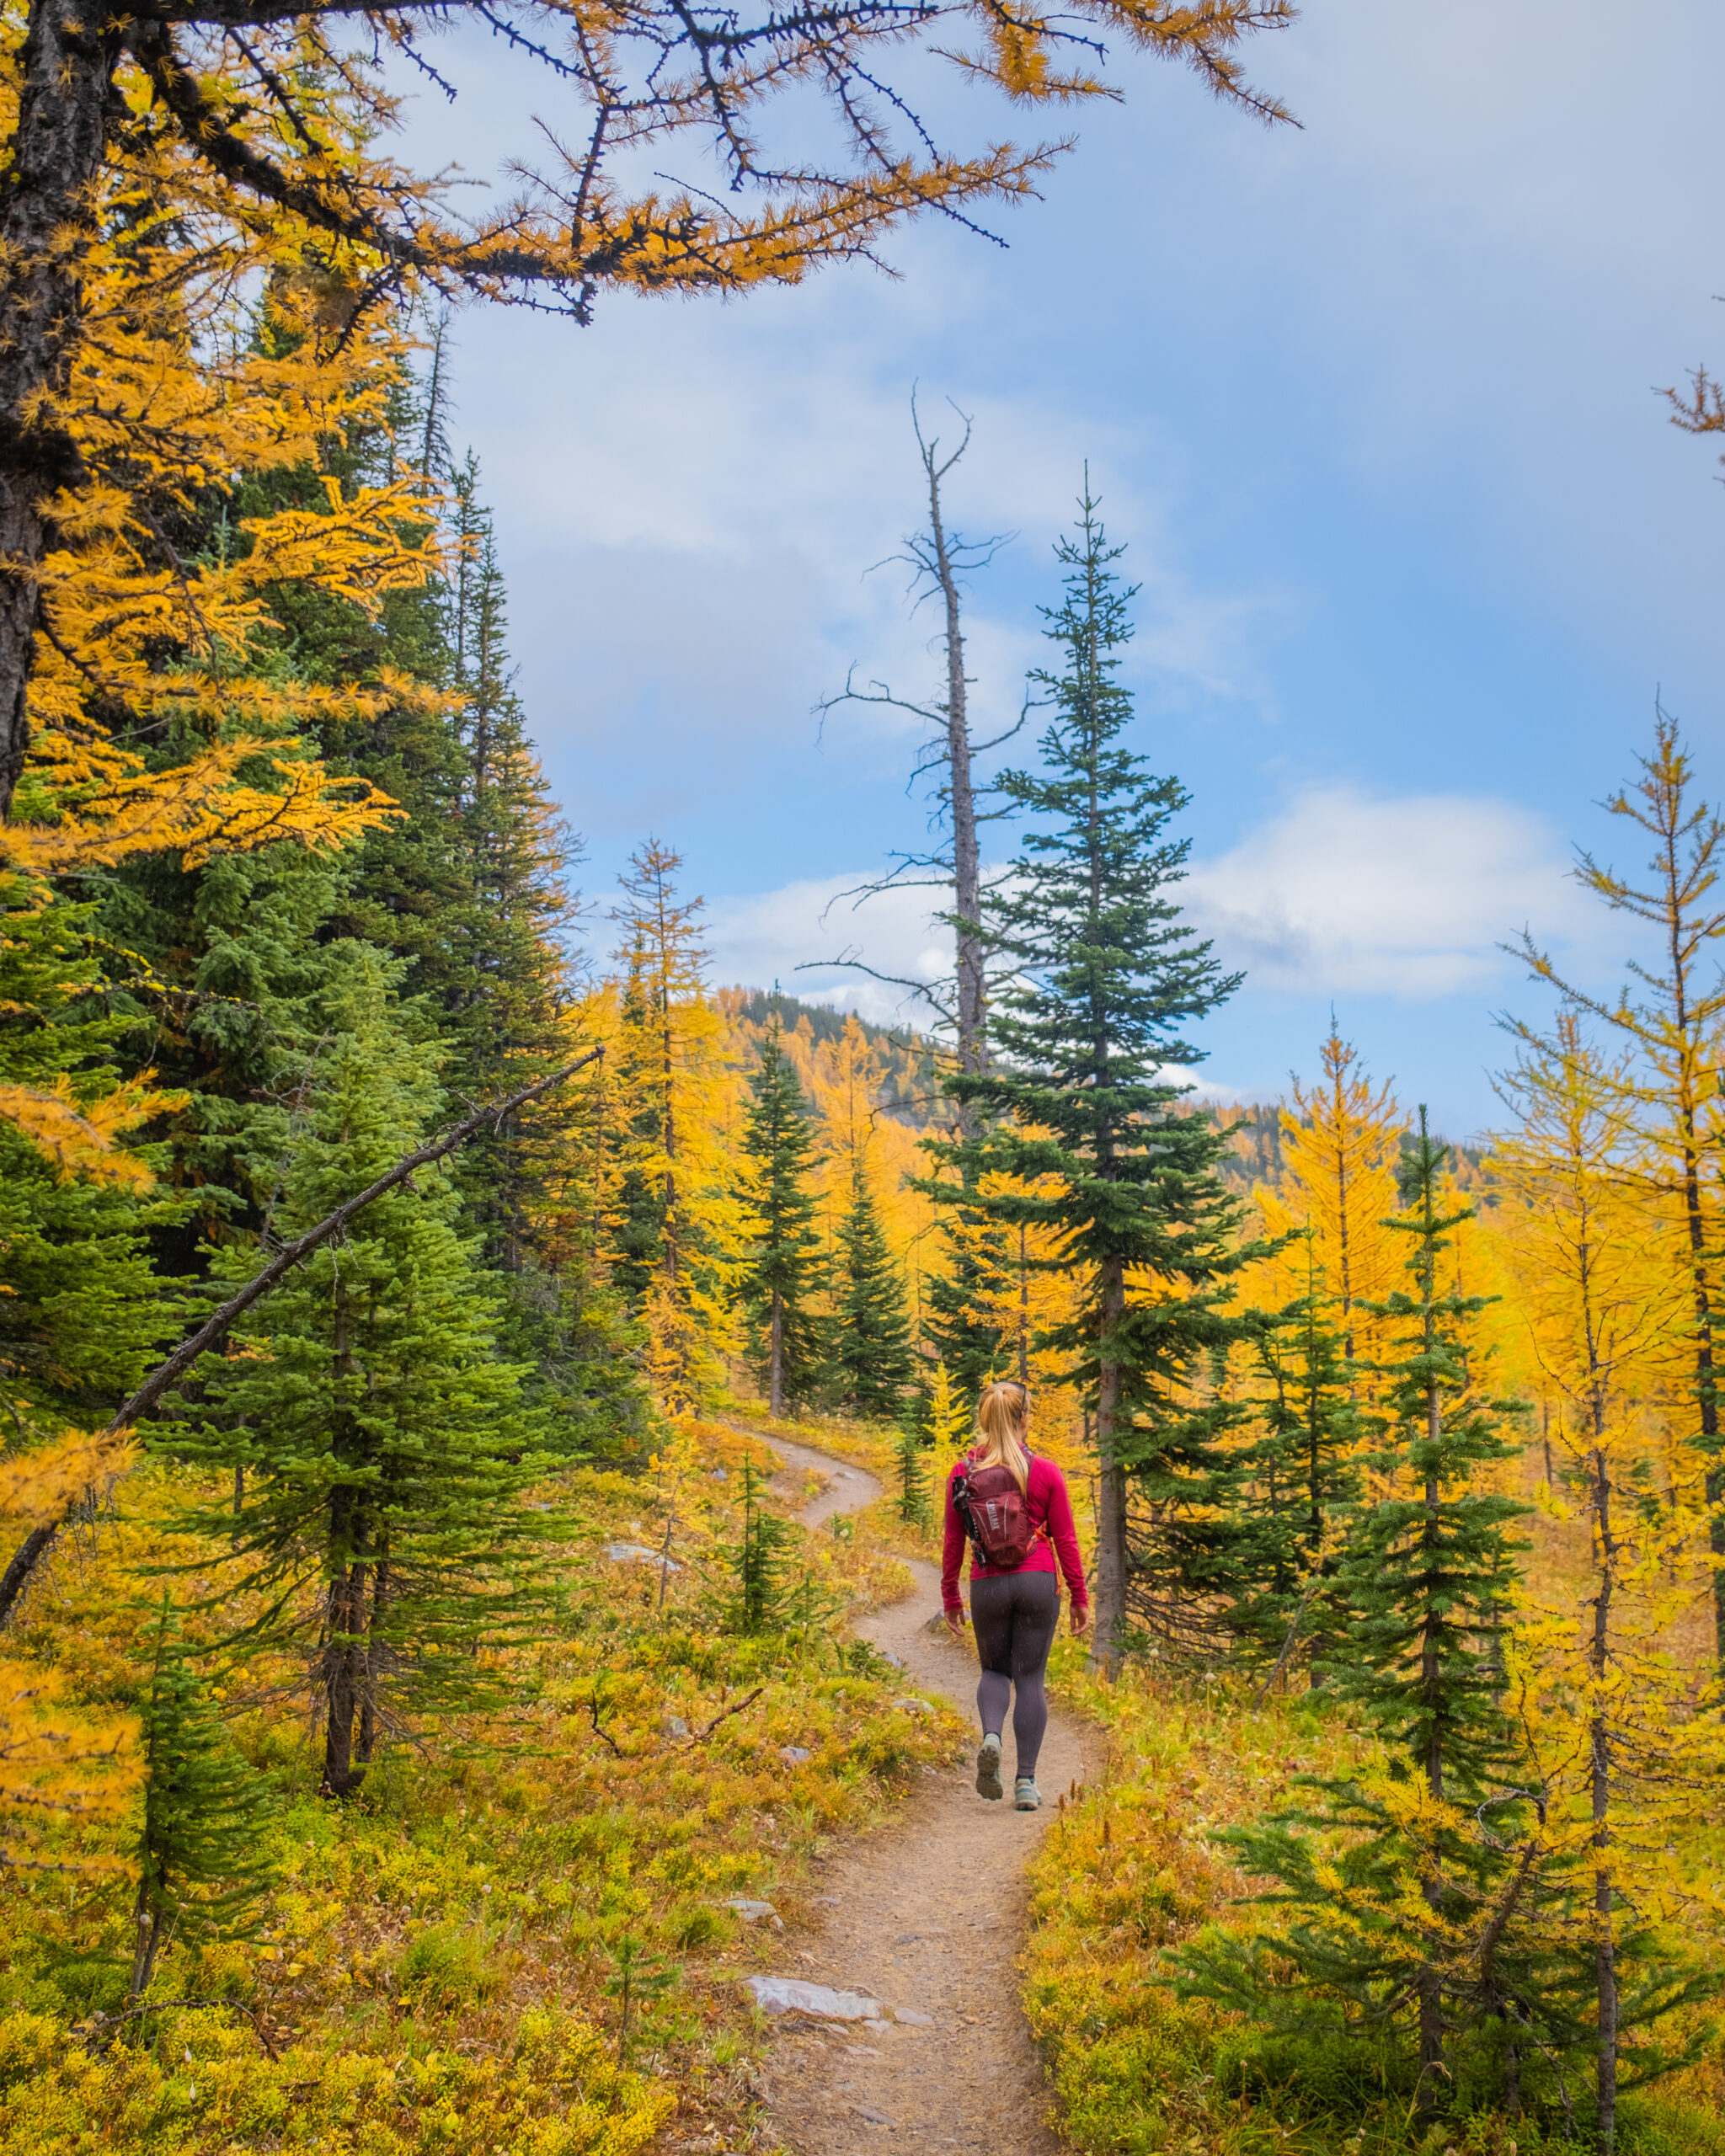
column 343, row 1679
column 46, row 225
column 1430, row 1988
column 967, row 869
column 344, row 1608
column 776, row 1360
column 1605, row 1938
column 1023, row 1310
column 1111, row 1483
column 1705, row 1376
column 374, row 1633
column 147, row 1933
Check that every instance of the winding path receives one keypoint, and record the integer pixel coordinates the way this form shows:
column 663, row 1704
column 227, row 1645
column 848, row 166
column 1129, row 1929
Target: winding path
column 927, row 1914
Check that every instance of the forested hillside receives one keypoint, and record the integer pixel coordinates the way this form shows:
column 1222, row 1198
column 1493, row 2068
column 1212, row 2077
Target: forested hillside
column 423, row 1706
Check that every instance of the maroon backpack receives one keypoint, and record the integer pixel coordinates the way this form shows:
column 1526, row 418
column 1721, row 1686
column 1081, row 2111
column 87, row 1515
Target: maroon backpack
column 996, row 1515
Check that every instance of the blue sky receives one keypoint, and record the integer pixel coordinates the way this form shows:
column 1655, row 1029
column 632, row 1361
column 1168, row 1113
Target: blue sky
column 1372, row 403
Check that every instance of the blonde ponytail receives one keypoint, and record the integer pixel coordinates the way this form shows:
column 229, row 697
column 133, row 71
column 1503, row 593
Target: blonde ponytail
column 1003, row 1423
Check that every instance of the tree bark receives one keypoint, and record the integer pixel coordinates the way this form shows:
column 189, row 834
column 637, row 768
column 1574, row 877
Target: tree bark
column 776, row 1364
column 146, row 1935
column 1111, row 1482
column 344, row 1667
column 1432, row 2063
column 344, row 1652
column 47, row 224
column 1599, row 1739
column 972, row 1011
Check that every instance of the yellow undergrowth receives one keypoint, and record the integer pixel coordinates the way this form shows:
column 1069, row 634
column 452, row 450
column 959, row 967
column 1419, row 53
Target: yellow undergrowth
column 1132, row 1867
column 434, row 1967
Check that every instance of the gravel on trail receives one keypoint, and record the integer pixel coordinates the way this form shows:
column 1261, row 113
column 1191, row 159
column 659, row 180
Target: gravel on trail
column 925, row 1915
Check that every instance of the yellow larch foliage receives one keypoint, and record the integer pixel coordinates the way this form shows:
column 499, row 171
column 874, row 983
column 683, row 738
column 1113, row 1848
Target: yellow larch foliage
column 1340, row 1142
column 843, row 1079
column 674, row 1215
column 206, row 361
column 62, row 1763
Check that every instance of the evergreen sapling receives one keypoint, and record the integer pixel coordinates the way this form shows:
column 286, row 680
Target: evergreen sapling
column 1420, row 1885
column 380, row 1446
column 872, row 1364
column 202, row 1853
column 783, row 1272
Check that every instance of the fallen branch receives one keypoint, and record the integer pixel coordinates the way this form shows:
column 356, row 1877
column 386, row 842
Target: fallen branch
column 702, row 1736
column 166, row 1374
column 100, row 2030
column 1311, row 1587
column 593, row 1716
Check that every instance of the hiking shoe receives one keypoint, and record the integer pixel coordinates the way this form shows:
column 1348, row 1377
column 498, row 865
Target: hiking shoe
column 988, row 1769
column 1026, row 1796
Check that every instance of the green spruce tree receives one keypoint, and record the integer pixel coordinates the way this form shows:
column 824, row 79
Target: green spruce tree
column 82, row 1307
column 872, row 1362
column 911, row 1464
column 380, row 1445
column 1079, row 1111
column 202, row 1857
column 782, row 1272
column 1428, row 1574
column 1289, row 1489
column 961, row 1302
column 1424, row 1888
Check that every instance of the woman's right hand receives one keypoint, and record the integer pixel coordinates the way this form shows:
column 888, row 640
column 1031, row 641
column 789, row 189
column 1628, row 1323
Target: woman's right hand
column 955, row 1623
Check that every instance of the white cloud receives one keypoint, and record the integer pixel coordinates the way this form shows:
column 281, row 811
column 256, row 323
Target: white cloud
column 1341, row 893
column 762, row 939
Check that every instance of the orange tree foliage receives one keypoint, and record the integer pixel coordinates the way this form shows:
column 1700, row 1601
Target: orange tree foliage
column 252, row 120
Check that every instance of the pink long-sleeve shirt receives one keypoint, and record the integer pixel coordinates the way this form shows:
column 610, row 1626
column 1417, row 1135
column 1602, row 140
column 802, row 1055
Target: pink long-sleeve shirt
column 1053, row 1536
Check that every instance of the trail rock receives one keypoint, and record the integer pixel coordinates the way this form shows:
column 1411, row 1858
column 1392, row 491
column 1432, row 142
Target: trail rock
column 777, row 1995
column 913, row 1706
column 674, row 1725
column 635, row 1553
column 793, row 1755
column 753, row 1912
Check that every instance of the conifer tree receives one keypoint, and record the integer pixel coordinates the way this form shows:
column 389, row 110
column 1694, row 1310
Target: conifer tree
column 202, row 1863
column 782, row 1270
column 1418, row 1884
column 1079, row 1124
column 948, row 1419
column 377, row 1441
column 1340, row 1144
column 1428, row 1572
column 910, row 1466
column 81, row 1306
column 962, row 1302
column 1618, row 1749
column 872, row 1362
column 1288, row 1490
column 676, row 1220
column 756, row 1563
column 1669, row 1021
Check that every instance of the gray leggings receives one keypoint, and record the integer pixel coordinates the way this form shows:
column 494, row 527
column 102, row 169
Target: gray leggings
column 1013, row 1616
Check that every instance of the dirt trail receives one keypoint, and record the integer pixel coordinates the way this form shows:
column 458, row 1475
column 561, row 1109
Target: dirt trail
column 925, row 1915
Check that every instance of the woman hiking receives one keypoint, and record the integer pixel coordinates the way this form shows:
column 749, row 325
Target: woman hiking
column 1014, row 1509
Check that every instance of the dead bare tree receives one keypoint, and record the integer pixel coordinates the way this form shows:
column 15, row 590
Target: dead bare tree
column 940, row 560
